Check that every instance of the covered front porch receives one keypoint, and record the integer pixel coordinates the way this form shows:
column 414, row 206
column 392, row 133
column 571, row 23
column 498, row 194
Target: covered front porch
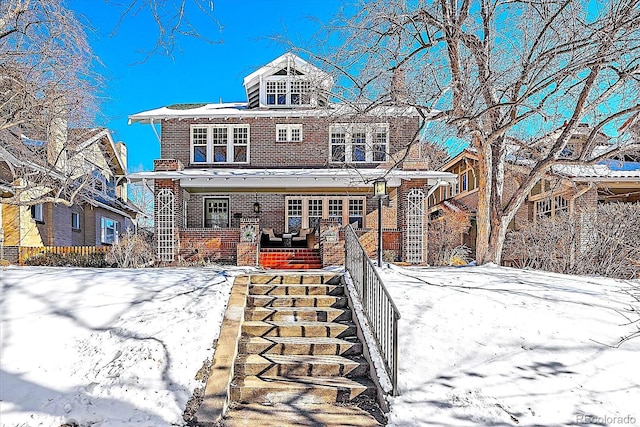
column 212, row 214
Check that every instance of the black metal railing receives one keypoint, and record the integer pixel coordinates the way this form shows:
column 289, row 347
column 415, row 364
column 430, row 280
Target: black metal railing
column 379, row 309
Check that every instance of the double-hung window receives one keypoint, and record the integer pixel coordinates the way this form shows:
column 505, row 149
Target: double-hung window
column 220, row 143
column 109, row 230
column 289, row 133
column 358, row 143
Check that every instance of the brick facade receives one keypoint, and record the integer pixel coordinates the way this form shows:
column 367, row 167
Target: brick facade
column 265, row 152
column 209, row 245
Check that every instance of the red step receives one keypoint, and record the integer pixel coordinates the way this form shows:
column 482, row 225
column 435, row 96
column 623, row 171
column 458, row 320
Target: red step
column 290, row 258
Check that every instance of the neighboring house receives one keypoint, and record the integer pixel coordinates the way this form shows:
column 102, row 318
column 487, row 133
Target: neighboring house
column 565, row 188
column 286, row 160
column 101, row 211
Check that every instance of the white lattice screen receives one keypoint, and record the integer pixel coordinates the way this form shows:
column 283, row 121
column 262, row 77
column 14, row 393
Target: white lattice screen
column 165, row 224
column 414, row 240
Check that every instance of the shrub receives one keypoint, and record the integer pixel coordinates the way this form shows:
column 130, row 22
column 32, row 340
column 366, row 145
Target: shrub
column 599, row 242
column 131, row 251
column 49, row 259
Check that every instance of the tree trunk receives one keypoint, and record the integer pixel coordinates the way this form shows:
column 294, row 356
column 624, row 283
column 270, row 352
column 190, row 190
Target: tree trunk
column 491, row 222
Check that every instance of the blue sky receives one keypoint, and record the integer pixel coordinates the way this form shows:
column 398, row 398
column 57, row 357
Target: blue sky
column 198, row 71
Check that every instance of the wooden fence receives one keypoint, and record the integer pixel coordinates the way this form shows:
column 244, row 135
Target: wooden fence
column 26, row 252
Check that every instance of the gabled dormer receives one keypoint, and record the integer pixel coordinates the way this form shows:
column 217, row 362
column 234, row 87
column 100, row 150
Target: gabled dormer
column 288, row 82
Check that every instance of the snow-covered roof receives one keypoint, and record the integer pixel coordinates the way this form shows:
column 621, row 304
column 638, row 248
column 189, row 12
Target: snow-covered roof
column 284, row 61
column 606, row 170
column 240, row 110
column 291, row 178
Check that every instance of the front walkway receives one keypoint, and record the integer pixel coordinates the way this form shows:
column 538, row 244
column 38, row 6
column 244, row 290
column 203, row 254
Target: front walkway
column 288, row 354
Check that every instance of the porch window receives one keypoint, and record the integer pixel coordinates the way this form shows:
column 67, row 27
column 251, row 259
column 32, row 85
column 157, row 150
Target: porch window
column 289, row 133
column 216, row 213
column 315, row 213
column 294, row 215
column 356, row 212
column 306, row 211
column 358, row 143
column 335, row 210
column 220, row 144
column 109, row 230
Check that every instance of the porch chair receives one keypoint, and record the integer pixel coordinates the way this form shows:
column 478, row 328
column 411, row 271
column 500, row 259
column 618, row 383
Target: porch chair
column 301, row 238
column 271, row 237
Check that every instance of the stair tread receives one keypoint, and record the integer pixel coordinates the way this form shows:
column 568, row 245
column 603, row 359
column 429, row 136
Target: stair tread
column 297, row 309
column 296, row 323
column 299, row 358
column 305, row 382
column 303, row 340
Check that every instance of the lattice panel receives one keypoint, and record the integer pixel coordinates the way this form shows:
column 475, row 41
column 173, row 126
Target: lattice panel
column 414, row 241
column 165, row 224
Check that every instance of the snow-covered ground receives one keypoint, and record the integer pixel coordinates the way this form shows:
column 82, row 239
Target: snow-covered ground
column 479, row 345
column 105, row 347
column 497, row 346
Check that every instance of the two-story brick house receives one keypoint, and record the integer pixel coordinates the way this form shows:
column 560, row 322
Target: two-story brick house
column 287, row 159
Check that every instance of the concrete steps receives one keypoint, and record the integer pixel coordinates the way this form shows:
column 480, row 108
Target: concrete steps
column 298, row 344
column 301, row 346
column 313, row 314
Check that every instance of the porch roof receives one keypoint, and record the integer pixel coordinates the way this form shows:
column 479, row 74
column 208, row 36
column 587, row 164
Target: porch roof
column 292, row 178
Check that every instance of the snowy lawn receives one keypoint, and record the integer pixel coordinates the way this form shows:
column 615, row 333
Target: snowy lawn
column 498, row 346
column 105, row 347
column 478, row 345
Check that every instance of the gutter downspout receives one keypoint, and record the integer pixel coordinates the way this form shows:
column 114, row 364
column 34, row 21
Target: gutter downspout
column 572, row 257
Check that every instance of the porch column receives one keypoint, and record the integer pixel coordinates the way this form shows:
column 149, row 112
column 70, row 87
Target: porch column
column 248, row 247
column 331, row 246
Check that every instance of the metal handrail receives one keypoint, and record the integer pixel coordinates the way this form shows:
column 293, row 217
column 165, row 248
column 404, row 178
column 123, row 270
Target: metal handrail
column 379, row 309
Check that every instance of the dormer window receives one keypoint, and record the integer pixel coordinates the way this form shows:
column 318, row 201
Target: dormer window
column 283, row 91
column 288, row 82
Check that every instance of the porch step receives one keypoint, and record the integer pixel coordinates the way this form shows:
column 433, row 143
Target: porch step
column 296, row 301
column 301, row 345
column 290, row 258
column 273, row 289
column 299, row 389
column 292, row 314
column 254, row 328
column 298, row 365
column 296, row 279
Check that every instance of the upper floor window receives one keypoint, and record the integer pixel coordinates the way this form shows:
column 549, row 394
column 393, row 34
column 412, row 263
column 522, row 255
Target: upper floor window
column 36, row 212
column 289, row 133
column 220, row 143
column 287, row 91
column 358, row 143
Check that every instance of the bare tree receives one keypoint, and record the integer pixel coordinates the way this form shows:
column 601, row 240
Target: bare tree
column 46, row 84
column 173, row 20
column 503, row 74
column 49, row 92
